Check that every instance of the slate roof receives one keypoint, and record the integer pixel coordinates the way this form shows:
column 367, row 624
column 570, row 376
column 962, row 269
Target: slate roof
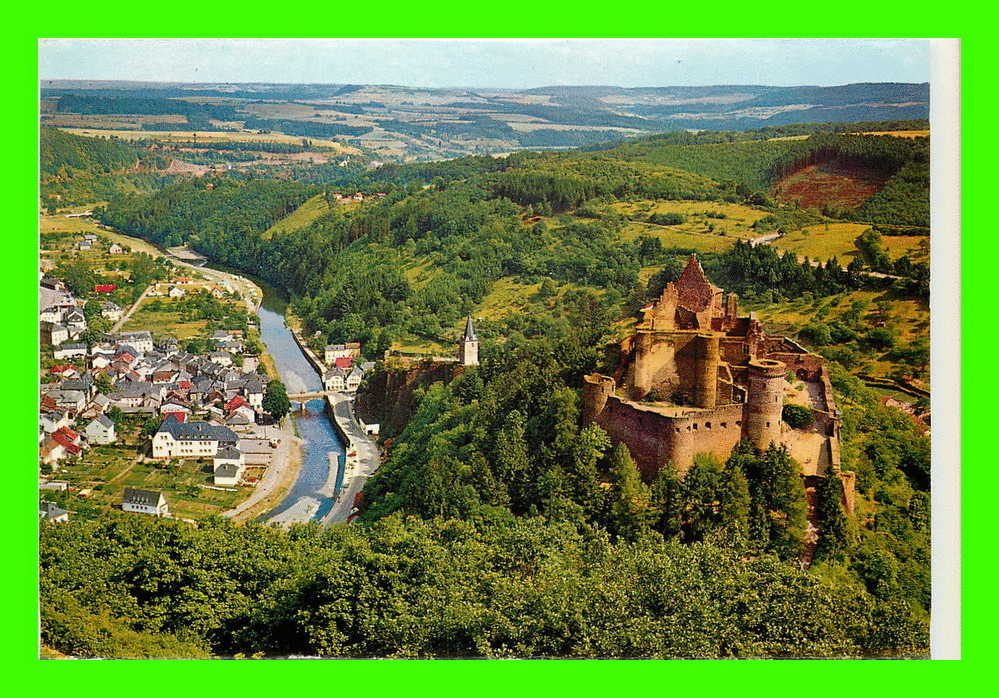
column 197, row 431
column 103, row 421
column 149, row 498
column 469, row 335
column 229, row 453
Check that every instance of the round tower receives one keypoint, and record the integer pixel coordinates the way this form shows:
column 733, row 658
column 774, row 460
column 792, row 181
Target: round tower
column 765, row 401
column 706, row 367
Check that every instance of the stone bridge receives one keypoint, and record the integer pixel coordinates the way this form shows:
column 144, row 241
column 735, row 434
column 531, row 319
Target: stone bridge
column 302, row 398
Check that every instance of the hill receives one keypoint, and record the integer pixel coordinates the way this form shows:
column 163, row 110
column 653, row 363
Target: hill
column 402, row 123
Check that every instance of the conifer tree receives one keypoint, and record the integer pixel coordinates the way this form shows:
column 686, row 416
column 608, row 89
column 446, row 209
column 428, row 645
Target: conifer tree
column 628, row 496
column 667, row 497
column 784, row 496
column 702, row 486
column 734, row 506
column 833, row 538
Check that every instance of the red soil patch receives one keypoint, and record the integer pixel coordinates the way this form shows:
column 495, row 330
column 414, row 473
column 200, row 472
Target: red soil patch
column 830, row 183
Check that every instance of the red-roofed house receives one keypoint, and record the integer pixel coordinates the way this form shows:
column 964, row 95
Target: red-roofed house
column 237, row 402
column 179, row 416
column 105, row 288
column 343, row 362
column 64, row 370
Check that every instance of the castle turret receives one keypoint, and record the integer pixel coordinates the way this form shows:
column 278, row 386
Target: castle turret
column 765, row 401
column 706, row 367
column 468, row 349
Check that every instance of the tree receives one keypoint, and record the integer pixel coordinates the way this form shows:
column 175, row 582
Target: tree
column 833, row 538
column 103, row 384
column 275, row 401
column 667, row 496
column 797, row 417
column 628, row 496
column 734, row 504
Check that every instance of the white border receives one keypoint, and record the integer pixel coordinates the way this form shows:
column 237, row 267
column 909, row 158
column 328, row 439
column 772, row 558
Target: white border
column 945, row 333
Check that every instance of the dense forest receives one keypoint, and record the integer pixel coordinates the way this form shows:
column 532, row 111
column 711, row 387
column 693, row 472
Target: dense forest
column 79, row 170
column 498, row 525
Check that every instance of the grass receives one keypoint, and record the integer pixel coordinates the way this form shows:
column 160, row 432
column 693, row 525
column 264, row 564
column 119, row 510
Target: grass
column 909, row 319
column 220, row 137
column 505, row 296
column 163, row 322
column 701, row 242
column 737, row 222
column 826, row 240
column 302, row 216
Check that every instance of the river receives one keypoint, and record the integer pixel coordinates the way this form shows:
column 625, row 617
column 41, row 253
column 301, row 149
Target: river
column 310, row 497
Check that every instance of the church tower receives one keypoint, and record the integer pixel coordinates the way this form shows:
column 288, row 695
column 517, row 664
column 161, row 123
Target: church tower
column 468, row 349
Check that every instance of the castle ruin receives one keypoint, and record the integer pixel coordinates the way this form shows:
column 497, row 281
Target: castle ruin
column 697, row 378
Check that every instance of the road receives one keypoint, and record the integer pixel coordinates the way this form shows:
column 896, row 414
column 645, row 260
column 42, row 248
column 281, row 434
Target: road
column 124, row 318
column 274, row 475
column 357, row 469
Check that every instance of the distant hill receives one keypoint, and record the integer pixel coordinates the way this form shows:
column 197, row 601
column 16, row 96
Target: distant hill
column 405, row 123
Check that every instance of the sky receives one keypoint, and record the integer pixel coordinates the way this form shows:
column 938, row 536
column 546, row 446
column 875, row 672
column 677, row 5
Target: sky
column 504, row 63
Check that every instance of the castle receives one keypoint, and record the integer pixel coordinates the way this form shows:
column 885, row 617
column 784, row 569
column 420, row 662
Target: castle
column 697, row 378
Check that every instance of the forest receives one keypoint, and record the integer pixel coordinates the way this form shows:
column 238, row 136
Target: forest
column 499, row 526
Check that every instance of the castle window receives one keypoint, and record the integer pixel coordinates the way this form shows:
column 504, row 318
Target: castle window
column 724, row 425
column 768, row 423
column 738, row 422
column 707, row 425
column 695, row 427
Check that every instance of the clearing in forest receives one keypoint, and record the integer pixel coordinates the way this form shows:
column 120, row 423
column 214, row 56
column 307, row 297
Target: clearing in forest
column 831, row 183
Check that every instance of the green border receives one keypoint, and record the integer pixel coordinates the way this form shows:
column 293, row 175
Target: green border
column 521, row 19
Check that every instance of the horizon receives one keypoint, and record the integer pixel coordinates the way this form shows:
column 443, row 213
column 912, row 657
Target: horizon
column 498, row 64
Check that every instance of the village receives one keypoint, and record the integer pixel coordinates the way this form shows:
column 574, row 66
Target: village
column 179, row 425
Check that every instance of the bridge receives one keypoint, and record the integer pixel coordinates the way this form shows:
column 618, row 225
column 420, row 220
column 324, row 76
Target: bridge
column 302, row 398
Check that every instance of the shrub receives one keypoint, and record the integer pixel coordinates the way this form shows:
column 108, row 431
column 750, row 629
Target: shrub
column 797, row 417
column 667, row 218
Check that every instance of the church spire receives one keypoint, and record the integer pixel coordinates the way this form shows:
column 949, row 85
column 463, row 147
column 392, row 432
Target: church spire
column 469, row 331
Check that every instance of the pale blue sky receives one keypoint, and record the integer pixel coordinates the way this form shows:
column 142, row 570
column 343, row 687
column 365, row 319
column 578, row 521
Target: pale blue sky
column 513, row 63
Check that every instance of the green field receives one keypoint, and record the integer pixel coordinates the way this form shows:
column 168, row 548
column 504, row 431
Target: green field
column 163, row 322
column 299, row 218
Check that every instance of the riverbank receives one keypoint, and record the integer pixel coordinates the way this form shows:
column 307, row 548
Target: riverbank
column 356, row 469
column 278, row 479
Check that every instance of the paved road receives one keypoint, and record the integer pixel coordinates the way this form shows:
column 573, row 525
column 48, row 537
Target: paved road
column 357, row 469
column 280, row 462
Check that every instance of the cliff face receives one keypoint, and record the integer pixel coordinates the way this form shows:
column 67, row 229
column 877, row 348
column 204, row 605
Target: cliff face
column 387, row 396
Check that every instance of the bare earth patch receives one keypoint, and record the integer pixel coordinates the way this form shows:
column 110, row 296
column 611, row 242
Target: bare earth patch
column 830, row 184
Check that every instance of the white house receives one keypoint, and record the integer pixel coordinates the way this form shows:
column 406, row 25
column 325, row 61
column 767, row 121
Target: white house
column 354, row 378
column 141, row 341
column 144, row 502
column 55, row 333
column 100, row 431
column 191, row 439
column 68, row 351
column 176, row 292
column 115, row 248
column 48, row 511
column 229, row 466
column 111, row 311
column 335, row 379
column 51, row 314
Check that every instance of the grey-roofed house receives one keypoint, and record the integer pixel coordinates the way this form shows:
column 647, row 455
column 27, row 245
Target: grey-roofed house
column 48, row 511
column 100, row 431
column 176, row 439
column 144, row 502
column 68, row 351
column 229, row 466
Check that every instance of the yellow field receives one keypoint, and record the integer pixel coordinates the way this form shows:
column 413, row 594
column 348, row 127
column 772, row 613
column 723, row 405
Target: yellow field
column 211, row 137
column 309, row 211
column 701, row 242
column 62, row 224
column 826, row 240
column 897, row 134
column 737, row 221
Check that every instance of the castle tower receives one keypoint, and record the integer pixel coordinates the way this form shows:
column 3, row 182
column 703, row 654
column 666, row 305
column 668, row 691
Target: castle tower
column 706, row 366
column 468, row 349
column 765, row 401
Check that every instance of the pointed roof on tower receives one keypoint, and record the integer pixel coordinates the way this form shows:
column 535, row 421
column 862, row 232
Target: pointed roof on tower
column 694, row 290
column 469, row 331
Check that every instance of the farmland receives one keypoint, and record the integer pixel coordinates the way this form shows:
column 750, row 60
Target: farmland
column 827, row 240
